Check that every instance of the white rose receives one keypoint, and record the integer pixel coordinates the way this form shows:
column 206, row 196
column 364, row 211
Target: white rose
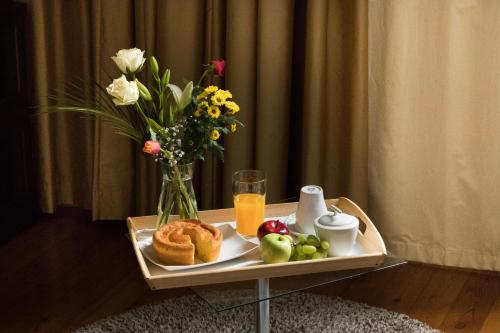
column 124, row 92
column 131, row 59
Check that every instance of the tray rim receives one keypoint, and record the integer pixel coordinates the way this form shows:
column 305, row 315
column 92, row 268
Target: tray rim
column 176, row 279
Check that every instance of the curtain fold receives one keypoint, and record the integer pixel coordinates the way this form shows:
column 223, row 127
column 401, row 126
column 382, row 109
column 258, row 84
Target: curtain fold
column 334, row 131
column 433, row 129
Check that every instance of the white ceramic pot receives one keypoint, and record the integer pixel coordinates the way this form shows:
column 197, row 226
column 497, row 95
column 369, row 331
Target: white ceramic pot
column 338, row 229
column 311, row 205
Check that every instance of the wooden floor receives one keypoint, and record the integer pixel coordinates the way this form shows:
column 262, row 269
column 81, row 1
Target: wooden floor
column 66, row 271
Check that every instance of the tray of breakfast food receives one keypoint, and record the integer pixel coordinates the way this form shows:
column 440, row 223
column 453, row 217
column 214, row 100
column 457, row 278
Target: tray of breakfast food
column 294, row 239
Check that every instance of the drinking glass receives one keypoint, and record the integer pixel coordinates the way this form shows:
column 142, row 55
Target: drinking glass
column 249, row 193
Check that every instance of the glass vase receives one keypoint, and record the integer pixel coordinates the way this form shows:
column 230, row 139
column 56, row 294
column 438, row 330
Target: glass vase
column 177, row 194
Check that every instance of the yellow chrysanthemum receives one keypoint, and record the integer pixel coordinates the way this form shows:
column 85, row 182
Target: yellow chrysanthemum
column 214, row 135
column 220, row 96
column 199, row 111
column 232, row 107
column 202, row 95
column 213, row 111
column 211, row 89
column 232, row 127
column 207, row 91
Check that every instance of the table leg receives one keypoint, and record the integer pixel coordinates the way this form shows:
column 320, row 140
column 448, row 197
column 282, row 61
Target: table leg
column 262, row 322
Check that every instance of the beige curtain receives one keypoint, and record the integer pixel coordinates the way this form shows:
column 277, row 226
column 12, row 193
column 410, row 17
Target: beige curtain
column 434, row 120
column 298, row 69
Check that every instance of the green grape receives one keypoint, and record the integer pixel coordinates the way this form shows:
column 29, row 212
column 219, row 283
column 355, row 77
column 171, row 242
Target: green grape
column 300, row 256
column 299, row 249
column 313, row 240
column 325, row 245
column 317, row 255
column 302, row 238
column 323, row 253
column 308, row 249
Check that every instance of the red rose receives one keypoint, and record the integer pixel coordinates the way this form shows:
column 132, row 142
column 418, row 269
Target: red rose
column 219, row 66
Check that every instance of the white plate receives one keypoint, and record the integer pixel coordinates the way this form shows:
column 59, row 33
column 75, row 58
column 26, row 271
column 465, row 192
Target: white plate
column 233, row 246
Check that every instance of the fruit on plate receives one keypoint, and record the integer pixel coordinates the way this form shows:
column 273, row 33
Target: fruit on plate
column 309, row 247
column 272, row 227
column 275, row 248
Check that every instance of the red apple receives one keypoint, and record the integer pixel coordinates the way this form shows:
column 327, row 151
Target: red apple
column 272, row 227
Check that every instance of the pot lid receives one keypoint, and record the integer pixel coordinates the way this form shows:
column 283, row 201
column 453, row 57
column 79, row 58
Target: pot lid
column 336, row 220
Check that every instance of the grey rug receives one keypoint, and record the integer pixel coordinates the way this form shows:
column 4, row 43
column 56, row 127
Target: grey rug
column 300, row 312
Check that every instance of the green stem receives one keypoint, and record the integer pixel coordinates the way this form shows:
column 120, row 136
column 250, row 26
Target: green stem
column 161, row 91
column 176, row 191
column 167, row 205
column 143, row 116
column 208, row 70
column 190, row 209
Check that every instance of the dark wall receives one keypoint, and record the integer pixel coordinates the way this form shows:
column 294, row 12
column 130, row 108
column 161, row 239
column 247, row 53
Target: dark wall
column 17, row 190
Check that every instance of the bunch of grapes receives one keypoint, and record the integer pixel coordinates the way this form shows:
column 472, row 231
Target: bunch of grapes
column 309, row 247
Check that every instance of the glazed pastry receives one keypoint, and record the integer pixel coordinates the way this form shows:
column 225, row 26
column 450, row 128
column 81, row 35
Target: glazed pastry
column 179, row 242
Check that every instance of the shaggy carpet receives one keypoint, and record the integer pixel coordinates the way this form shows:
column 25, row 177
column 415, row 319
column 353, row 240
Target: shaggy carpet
column 299, row 312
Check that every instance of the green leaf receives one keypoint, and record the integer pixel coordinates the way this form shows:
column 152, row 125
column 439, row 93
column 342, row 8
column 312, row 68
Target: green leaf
column 182, row 98
column 91, row 99
column 217, row 146
column 172, row 109
column 176, row 92
column 153, row 125
column 121, row 125
column 161, row 116
column 186, row 95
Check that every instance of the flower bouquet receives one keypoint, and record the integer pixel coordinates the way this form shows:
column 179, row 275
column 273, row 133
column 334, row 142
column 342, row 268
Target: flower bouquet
column 175, row 126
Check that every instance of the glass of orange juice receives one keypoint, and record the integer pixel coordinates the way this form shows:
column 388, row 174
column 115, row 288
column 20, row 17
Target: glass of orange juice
column 249, row 193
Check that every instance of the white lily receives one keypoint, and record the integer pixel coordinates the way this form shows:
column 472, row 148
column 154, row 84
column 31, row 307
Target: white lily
column 182, row 98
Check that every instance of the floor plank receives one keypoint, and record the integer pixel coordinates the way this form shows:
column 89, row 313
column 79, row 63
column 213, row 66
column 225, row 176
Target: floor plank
column 368, row 288
column 441, row 291
column 492, row 322
column 402, row 291
column 473, row 304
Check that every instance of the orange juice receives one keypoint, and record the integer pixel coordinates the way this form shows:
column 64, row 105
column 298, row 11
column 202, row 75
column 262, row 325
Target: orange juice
column 249, row 208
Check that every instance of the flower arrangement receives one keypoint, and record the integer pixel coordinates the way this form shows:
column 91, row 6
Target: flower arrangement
column 175, row 126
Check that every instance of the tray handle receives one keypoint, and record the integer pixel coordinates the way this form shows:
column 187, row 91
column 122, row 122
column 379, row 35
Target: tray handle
column 369, row 232
column 138, row 254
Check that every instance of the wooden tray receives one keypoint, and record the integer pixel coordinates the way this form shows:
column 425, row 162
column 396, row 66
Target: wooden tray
column 369, row 240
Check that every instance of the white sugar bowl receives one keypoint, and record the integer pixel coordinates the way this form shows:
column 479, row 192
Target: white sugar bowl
column 340, row 230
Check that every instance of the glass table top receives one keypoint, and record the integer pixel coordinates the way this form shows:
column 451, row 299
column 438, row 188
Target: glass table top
column 226, row 296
